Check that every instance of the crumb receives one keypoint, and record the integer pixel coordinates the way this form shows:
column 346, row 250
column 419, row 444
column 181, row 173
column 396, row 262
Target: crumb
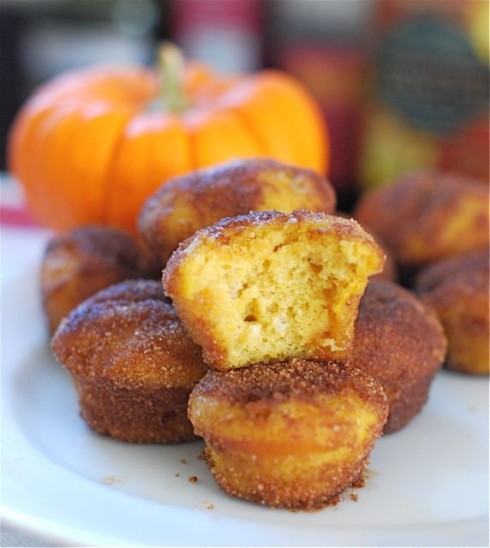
column 209, row 505
column 112, row 480
column 177, row 475
column 193, row 479
column 359, row 482
column 183, row 461
column 353, row 496
column 201, row 456
column 334, row 501
column 367, row 473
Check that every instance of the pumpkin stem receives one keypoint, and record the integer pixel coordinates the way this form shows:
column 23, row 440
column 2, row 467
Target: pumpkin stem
column 171, row 69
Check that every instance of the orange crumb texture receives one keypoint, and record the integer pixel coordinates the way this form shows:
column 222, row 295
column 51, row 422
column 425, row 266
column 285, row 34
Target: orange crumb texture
column 289, row 284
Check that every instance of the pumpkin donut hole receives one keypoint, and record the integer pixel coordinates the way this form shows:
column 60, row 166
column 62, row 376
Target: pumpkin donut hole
column 80, row 262
column 291, row 434
column 427, row 216
column 132, row 363
column 457, row 289
column 269, row 286
column 184, row 205
column 400, row 342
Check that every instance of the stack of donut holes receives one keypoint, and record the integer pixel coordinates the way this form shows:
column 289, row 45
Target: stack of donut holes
column 296, row 431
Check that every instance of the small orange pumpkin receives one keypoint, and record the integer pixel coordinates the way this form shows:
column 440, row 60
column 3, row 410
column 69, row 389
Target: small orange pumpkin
column 91, row 145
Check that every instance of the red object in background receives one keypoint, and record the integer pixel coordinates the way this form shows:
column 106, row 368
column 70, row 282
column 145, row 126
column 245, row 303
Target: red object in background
column 190, row 14
column 225, row 34
column 16, row 216
column 337, row 78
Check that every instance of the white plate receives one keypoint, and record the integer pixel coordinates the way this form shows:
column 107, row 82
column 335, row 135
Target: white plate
column 427, row 484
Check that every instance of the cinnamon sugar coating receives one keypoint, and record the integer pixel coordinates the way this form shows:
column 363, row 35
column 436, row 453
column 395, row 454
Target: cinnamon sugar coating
column 458, row 290
column 269, row 286
column 428, row 215
column 184, row 205
column 132, row 363
column 400, row 342
column 78, row 263
column 390, row 269
column 293, row 434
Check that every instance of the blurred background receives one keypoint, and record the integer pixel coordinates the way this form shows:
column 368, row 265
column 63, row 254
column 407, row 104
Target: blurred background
column 403, row 83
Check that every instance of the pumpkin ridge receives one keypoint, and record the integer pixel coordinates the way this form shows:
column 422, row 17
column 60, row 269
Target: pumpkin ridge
column 192, row 149
column 106, row 178
column 251, row 130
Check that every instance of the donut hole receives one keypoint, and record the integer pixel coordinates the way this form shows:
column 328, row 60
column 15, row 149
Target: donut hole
column 290, row 289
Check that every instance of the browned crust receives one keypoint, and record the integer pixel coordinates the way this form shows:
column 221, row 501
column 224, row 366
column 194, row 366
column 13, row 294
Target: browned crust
column 134, row 343
column 262, row 389
column 132, row 291
column 296, row 379
column 400, row 342
column 466, row 274
column 230, row 189
column 297, row 496
column 132, row 363
column 390, row 270
column 420, row 206
column 136, row 416
column 80, row 262
column 458, row 290
column 104, row 244
column 408, row 403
